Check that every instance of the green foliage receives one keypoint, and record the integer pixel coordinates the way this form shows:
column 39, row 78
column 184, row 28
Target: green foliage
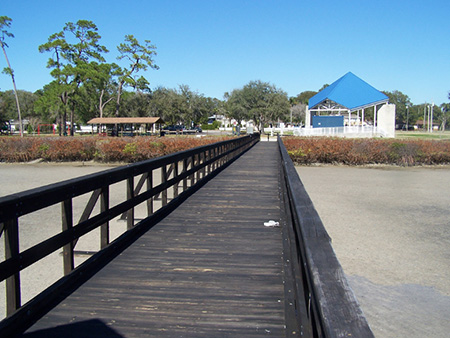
column 258, row 101
column 130, row 148
column 213, row 126
column 302, row 98
column 401, row 102
column 73, row 50
column 5, row 23
column 140, row 58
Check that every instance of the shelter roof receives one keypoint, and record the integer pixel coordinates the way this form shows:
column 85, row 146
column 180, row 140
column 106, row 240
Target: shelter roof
column 350, row 92
column 125, row 120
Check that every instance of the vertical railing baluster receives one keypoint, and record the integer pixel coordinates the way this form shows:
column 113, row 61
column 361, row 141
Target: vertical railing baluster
column 11, row 230
column 209, row 158
column 67, row 224
column 185, row 165
column 150, row 187
column 164, row 180
column 104, row 206
column 197, row 171
column 175, row 175
column 130, row 195
column 192, row 177
column 203, row 155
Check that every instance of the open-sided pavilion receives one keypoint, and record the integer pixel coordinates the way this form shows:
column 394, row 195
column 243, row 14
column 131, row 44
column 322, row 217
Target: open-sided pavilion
column 151, row 124
column 347, row 95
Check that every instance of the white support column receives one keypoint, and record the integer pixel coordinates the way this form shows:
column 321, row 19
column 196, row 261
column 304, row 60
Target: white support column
column 375, row 115
column 362, row 117
column 307, row 118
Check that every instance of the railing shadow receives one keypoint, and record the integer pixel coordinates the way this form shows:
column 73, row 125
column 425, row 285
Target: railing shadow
column 84, row 329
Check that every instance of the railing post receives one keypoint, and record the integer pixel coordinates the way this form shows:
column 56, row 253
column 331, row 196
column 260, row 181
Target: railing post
column 217, row 156
column 67, row 224
column 208, row 157
column 149, row 187
column 12, row 251
column 203, row 155
column 192, row 177
column 185, row 165
column 104, row 206
column 164, row 180
column 130, row 195
column 175, row 175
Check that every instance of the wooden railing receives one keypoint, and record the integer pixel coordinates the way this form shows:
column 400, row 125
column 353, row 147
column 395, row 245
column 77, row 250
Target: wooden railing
column 178, row 176
column 321, row 303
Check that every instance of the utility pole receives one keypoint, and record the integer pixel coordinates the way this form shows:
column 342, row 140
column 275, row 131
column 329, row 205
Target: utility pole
column 431, row 108
column 424, row 109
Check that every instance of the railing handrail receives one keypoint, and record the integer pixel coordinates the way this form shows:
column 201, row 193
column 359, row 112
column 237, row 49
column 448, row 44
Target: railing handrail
column 18, row 204
column 199, row 165
column 329, row 304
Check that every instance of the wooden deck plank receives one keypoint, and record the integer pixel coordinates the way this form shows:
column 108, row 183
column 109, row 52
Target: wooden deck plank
column 209, row 269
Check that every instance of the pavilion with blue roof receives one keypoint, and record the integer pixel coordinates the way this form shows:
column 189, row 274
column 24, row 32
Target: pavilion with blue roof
column 346, row 95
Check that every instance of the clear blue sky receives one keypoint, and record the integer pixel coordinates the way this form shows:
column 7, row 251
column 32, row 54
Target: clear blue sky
column 216, row 46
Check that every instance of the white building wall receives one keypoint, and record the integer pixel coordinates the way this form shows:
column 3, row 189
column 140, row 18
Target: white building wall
column 386, row 119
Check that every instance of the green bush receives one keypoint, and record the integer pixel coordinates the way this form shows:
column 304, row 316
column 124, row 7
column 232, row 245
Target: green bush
column 215, row 125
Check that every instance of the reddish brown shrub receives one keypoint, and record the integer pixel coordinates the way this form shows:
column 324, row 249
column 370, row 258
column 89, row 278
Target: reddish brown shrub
column 126, row 149
column 367, row 151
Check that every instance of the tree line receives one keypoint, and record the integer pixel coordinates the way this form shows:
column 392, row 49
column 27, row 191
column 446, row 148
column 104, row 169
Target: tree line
column 85, row 86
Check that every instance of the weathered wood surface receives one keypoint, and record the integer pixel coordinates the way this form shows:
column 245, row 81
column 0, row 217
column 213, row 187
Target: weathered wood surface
column 209, row 269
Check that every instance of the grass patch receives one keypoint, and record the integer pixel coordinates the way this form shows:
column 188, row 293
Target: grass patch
column 436, row 135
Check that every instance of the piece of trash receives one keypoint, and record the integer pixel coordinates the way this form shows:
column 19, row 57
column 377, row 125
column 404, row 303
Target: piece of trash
column 271, row 224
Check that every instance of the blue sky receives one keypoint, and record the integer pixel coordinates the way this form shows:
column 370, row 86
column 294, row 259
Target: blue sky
column 216, row 46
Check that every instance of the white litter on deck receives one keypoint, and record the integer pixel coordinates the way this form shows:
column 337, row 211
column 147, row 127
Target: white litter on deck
column 271, row 224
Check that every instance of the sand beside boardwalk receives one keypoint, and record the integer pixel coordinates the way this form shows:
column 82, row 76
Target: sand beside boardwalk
column 39, row 226
column 391, row 232
column 390, row 229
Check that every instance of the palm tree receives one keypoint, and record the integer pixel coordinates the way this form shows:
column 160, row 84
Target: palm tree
column 6, row 22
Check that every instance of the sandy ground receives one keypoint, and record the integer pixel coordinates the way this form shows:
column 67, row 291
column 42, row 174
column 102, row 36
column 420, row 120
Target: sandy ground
column 38, row 226
column 391, row 232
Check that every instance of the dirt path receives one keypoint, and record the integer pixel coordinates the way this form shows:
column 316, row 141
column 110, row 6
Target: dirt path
column 391, row 232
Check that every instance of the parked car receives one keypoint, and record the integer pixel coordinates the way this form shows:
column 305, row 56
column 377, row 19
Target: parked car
column 177, row 127
column 197, row 129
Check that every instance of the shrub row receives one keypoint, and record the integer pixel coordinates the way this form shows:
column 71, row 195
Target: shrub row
column 124, row 149
column 367, row 151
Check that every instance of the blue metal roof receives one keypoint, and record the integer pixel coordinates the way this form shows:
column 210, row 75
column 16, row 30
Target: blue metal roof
column 351, row 92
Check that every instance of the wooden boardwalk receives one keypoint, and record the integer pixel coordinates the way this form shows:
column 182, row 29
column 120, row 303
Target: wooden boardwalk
column 209, row 269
